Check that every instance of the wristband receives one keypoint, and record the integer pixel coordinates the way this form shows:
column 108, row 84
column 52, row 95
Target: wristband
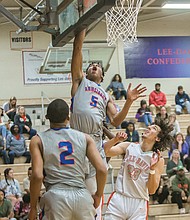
column 152, row 172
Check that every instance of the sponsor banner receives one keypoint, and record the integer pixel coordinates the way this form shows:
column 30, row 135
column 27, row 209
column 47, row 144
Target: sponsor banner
column 32, row 61
column 158, row 57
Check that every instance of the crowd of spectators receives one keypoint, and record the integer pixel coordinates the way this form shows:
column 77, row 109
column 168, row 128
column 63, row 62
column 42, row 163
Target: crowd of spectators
column 178, row 153
column 14, row 122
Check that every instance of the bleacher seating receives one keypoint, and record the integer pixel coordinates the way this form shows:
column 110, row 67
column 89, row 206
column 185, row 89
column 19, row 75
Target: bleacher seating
column 33, row 108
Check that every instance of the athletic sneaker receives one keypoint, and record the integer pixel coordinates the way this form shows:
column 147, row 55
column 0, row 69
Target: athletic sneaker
column 182, row 211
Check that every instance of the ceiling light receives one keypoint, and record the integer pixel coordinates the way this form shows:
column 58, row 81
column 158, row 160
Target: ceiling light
column 176, row 6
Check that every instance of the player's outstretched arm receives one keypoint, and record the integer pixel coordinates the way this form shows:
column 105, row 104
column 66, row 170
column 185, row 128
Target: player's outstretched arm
column 76, row 63
column 132, row 95
column 117, row 150
column 37, row 175
column 156, row 170
column 101, row 170
column 120, row 137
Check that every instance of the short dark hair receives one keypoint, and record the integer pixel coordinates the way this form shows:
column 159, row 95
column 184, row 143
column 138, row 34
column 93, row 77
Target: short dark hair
column 124, row 124
column 30, row 168
column 26, row 198
column 57, row 111
column 157, row 84
column 103, row 73
column 180, row 87
column 164, row 135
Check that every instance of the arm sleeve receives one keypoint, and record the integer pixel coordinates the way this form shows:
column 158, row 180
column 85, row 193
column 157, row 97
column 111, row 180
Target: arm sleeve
column 177, row 126
column 30, row 122
column 18, row 188
column 177, row 100
column 8, row 143
column 164, row 99
column 109, row 87
column 122, row 86
column 175, row 185
column 151, row 99
column 169, row 169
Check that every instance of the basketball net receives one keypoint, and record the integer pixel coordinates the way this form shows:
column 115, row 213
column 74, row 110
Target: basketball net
column 121, row 21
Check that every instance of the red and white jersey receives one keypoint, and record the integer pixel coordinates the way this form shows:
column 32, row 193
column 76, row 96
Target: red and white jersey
column 133, row 175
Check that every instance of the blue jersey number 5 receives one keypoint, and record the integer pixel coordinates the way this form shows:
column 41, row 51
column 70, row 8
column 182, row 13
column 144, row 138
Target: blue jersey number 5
column 94, row 101
column 67, row 152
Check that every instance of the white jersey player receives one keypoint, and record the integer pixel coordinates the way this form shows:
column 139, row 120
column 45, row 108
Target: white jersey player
column 140, row 173
column 58, row 158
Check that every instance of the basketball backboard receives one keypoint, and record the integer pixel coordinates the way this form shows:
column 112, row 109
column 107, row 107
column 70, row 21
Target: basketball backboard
column 58, row 59
column 77, row 15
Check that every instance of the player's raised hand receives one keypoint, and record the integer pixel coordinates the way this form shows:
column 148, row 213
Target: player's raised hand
column 136, row 92
column 155, row 159
column 121, row 136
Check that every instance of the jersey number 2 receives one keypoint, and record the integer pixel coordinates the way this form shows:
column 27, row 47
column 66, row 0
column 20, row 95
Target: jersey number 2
column 63, row 155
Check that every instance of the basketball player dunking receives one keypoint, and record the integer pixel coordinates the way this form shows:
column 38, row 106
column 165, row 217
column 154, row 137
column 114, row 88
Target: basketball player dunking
column 91, row 104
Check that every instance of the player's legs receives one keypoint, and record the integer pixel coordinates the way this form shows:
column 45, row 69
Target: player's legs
column 116, row 209
column 138, row 209
column 84, row 209
column 92, row 187
column 122, row 208
column 74, row 202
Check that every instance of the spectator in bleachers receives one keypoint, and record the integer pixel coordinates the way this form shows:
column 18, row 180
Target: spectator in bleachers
column 180, row 189
column 162, row 193
column 143, row 114
column 11, row 186
column 116, row 87
column 182, row 146
column 24, row 122
column 4, row 125
column 162, row 114
column 182, row 101
column 187, row 138
column 174, row 121
column 16, row 145
column 173, row 163
column 6, row 209
column 157, row 100
column 26, row 181
column 10, row 108
column 132, row 134
column 22, row 208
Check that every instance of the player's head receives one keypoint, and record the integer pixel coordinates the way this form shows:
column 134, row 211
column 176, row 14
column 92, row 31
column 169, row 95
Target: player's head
column 95, row 72
column 58, row 111
column 165, row 139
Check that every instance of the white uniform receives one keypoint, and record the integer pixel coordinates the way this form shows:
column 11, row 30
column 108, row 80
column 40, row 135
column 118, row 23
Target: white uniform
column 64, row 152
column 130, row 199
column 88, row 111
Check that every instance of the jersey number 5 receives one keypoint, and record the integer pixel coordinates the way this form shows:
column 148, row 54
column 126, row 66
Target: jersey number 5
column 63, row 155
column 94, row 101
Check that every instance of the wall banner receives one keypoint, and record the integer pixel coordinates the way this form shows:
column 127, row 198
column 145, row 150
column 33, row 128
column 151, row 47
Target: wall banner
column 32, row 61
column 21, row 41
column 158, row 57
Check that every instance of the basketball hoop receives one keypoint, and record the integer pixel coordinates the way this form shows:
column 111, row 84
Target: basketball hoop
column 121, row 21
